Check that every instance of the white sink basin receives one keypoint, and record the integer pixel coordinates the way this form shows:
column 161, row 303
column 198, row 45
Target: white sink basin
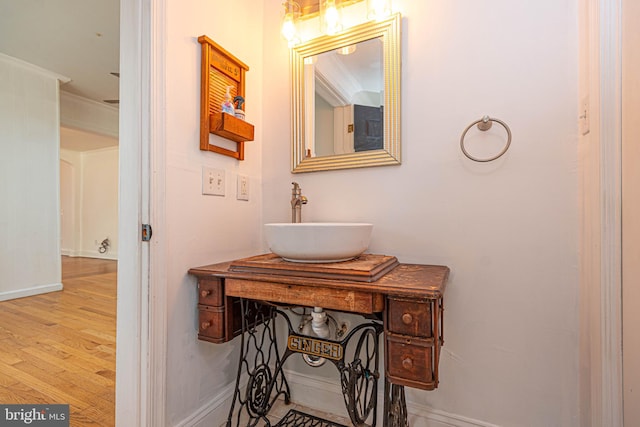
column 318, row 242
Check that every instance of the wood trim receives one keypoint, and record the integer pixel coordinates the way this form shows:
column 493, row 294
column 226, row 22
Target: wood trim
column 86, row 114
column 139, row 390
column 630, row 212
column 34, row 68
column 128, row 379
column 610, row 54
column 27, row 292
column 590, row 377
column 410, row 280
column 157, row 257
column 331, row 299
column 601, row 232
column 366, row 268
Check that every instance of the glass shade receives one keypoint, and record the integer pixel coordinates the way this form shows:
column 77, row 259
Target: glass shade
column 330, row 17
column 289, row 28
column 378, row 9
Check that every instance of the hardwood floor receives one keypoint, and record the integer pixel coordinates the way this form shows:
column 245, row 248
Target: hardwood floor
column 60, row 347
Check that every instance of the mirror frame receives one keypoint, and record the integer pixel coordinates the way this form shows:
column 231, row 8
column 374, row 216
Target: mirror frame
column 389, row 31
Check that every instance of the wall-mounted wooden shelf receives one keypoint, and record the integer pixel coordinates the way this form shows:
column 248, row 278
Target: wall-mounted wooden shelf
column 230, row 127
column 220, row 70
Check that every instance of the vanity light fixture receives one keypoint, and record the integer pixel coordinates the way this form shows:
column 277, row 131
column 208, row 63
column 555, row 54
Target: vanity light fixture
column 330, row 19
column 378, row 9
column 329, row 13
column 289, row 22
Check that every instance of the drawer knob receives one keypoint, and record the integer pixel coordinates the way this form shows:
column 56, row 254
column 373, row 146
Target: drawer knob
column 407, row 318
column 205, row 293
column 205, row 325
column 407, row 363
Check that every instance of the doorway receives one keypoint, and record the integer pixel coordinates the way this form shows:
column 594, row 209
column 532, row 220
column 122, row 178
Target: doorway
column 88, row 194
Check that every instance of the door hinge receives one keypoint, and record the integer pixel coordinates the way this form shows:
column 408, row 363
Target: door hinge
column 146, row 232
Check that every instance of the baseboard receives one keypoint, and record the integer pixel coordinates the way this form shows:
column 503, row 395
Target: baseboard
column 95, row 254
column 90, row 254
column 214, row 412
column 27, row 292
column 424, row 416
column 324, row 394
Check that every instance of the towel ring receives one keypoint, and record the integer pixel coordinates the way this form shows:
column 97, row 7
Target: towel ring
column 485, row 124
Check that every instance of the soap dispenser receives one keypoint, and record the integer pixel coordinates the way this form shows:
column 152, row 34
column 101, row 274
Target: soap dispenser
column 227, row 105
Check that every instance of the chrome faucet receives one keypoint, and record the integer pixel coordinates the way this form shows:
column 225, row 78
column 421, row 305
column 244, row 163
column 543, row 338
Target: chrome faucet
column 297, row 200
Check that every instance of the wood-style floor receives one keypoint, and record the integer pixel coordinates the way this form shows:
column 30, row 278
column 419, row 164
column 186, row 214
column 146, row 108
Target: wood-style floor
column 60, row 347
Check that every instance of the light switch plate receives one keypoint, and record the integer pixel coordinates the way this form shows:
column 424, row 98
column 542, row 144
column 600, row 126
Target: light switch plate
column 243, row 187
column 213, row 181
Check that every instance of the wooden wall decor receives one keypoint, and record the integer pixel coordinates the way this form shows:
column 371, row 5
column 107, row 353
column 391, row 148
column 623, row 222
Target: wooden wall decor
column 220, row 70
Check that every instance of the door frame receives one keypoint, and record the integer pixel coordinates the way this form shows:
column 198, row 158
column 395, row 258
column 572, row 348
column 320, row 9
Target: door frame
column 601, row 257
column 141, row 307
column 141, row 327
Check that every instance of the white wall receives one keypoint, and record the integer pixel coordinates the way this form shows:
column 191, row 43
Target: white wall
column 323, row 134
column 206, row 229
column 29, row 173
column 71, row 193
column 100, row 202
column 95, row 198
column 507, row 229
column 67, row 206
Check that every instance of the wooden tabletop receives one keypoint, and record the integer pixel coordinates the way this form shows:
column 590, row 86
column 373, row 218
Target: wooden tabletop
column 410, row 280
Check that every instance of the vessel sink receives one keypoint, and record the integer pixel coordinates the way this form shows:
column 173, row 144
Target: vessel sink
column 318, row 242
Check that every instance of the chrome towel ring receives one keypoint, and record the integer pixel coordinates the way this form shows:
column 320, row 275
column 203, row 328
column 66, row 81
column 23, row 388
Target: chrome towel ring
column 485, row 124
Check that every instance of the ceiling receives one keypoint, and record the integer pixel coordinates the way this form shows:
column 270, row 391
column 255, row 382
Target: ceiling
column 78, row 39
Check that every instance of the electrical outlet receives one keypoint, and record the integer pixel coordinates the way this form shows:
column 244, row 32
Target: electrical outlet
column 213, row 181
column 243, row 187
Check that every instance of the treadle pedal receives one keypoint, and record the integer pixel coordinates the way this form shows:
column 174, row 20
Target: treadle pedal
column 299, row 419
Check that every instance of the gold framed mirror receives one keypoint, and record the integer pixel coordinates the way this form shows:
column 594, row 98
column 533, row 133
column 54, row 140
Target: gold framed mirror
column 346, row 99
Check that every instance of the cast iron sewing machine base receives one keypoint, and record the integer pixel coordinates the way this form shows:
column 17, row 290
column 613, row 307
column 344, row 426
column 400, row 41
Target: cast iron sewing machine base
column 261, row 366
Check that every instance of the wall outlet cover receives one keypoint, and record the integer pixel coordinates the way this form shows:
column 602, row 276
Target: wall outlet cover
column 243, row 188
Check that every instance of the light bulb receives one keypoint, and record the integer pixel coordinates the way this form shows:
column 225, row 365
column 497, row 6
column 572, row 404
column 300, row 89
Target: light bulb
column 288, row 27
column 289, row 30
column 331, row 17
column 378, row 9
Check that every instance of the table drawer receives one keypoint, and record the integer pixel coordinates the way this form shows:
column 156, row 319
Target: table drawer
column 211, row 323
column 409, row 361
column 409, row 317
column 210, row 292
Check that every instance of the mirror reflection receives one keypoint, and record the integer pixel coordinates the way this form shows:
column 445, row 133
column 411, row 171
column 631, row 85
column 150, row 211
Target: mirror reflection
column 348, row 89
column 346, row 99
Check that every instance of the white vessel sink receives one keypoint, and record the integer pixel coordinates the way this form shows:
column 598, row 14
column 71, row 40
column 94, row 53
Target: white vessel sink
column 318, row 242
